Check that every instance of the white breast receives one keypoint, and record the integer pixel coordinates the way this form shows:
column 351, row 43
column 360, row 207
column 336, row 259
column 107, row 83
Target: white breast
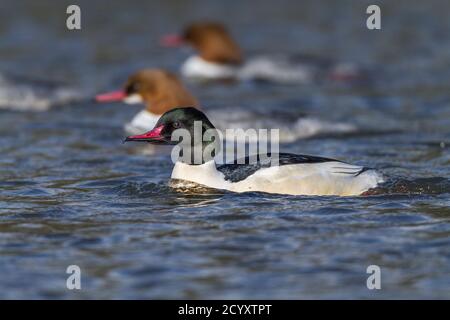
column 326, row 178
column 142, row 122
column 196, row 67
column 205, row 174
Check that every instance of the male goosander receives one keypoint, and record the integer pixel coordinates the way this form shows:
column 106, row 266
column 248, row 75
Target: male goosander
column 27, row 94
column 158, row 89
column 219, row 57
column 162, row 91
column 292, row 174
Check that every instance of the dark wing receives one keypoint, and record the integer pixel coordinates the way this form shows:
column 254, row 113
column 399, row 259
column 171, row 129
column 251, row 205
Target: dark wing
column 240, row 169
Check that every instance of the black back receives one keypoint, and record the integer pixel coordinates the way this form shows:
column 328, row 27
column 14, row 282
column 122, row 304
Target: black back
column 235, row 172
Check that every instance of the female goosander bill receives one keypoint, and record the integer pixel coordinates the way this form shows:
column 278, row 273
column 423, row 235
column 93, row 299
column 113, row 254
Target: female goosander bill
column 162, row 91
column 290, row 174
column 158, row 89
column 219, row 57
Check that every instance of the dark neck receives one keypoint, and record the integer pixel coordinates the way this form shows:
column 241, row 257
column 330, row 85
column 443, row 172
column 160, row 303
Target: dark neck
column 200, row 153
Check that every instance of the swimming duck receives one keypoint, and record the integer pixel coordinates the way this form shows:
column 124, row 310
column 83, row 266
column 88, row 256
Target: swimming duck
column 220, row 57
column 282, row 173
column 158, row 89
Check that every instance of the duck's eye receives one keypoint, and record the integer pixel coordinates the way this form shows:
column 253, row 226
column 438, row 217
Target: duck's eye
column 136, row 86
column 176, row 125
column 133, row 87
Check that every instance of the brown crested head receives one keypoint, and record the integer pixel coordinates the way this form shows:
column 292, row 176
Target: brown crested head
column 213, row 42
column 160, row 90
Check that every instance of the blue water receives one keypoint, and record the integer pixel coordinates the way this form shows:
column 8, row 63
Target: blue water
column 71, row 193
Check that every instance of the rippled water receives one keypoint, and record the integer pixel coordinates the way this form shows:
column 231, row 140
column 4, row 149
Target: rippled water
column 71, row 193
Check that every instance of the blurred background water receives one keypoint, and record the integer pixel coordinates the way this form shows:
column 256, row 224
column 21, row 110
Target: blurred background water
column 71, row 193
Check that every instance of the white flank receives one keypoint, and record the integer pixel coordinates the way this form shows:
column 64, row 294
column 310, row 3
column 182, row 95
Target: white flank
column 196, row 67
column 326, row 178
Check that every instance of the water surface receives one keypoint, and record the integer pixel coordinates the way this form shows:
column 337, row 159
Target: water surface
column 71, row 193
